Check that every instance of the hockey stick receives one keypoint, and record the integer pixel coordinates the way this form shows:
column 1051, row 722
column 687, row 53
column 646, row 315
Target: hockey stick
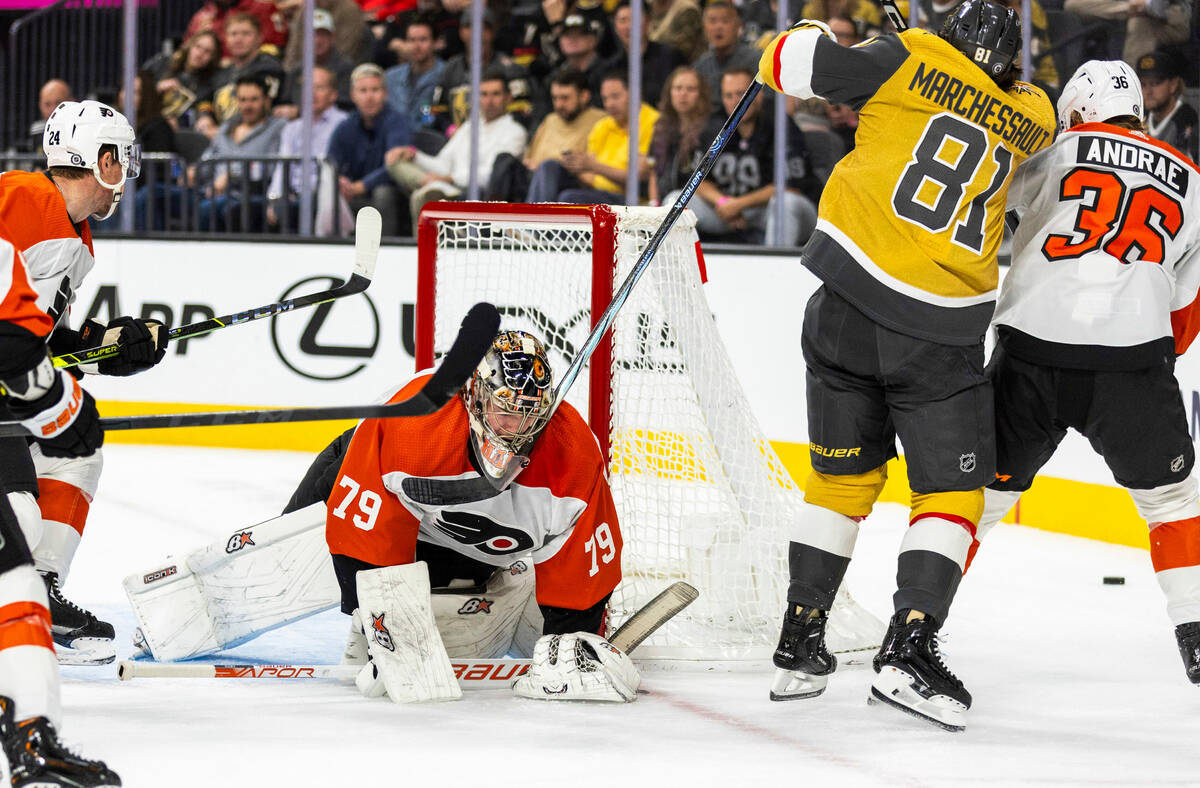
column 366, row 250
column 474, row 339
column 471, row 673
column 894, row 16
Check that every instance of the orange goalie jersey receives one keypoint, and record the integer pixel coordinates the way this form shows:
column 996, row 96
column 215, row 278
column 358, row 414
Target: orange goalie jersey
column 404, row 480
column 58, row 253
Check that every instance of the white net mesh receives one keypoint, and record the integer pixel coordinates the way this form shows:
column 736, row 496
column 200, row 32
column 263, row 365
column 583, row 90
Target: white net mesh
column 701, row 494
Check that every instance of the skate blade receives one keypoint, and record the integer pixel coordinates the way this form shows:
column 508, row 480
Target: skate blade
column 893, row 687
column 86, row 651
column 794, row 685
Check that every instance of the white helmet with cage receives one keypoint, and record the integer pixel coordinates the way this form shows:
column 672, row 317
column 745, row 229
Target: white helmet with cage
column 77, row 131
column 1101, row 90
column 508, row 400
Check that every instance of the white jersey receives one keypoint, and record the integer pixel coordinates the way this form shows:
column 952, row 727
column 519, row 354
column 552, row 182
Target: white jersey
column 1106, row 260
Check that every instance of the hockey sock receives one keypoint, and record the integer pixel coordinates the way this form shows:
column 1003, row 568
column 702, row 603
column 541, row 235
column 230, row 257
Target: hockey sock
column 28, row 668
column 819, row 555
column 1175, row 552
column 932, row 557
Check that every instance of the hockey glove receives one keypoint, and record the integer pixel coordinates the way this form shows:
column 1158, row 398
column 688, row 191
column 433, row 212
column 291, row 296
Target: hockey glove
column 61, row 416
column 578, row 666
column 143, row 344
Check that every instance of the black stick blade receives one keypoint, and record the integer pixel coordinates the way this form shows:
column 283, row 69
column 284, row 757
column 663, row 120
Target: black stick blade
column 474, row 340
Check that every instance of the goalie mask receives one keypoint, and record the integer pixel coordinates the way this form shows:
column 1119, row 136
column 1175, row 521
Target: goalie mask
column 77, row 131
column 508, row 403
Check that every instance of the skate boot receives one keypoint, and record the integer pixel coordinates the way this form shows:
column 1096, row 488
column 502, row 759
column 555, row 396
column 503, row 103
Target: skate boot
column 38, row 760
column 802, row 663
column 1188, row 636
column 913, row 678
column 79, row 637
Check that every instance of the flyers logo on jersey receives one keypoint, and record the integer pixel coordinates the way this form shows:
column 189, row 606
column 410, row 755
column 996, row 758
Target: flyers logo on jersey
column 483, row 534
column 380, row 632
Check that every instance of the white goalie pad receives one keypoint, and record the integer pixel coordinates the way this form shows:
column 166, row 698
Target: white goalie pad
column 279, row 571
column 407, row 653
column 219, row 596
column 578, row 666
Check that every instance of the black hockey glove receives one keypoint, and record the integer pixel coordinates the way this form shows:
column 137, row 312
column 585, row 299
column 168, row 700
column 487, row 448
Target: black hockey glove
column 68, row 340
column 143, row 344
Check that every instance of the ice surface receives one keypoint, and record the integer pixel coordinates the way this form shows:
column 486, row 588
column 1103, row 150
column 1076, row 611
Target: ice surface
column 1075, row 682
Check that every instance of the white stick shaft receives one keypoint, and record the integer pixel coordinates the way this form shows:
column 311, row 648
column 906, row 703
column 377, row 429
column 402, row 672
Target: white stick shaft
column 471, row 674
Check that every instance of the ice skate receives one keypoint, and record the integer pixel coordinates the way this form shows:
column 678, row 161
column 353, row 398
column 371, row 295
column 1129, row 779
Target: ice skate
column 79, row 637
column 802, row 662
column 1188, row 637
column 37, row 759
column 913, row 678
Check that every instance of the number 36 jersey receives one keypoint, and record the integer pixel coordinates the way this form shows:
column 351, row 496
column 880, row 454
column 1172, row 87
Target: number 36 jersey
column 1106, row 259
column 410, row 479
column 911, row 219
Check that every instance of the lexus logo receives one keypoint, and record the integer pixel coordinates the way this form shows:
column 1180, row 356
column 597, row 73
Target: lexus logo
column 331, row 341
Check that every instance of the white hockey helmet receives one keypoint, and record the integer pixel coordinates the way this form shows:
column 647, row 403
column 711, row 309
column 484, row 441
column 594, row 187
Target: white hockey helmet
column 508, row 401
column 75, row 133
column 1100, row 90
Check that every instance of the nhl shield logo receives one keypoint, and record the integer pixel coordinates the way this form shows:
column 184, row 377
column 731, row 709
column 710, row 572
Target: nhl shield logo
column 966, row 462
column 1177, row 464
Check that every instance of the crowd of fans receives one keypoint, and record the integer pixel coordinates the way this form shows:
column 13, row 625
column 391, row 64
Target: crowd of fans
column 392, row 100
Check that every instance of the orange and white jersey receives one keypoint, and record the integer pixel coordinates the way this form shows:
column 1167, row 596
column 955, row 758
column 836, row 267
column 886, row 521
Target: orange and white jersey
column 410, row 479
column 19, row 306
column 58, row 253
column 1106, row 260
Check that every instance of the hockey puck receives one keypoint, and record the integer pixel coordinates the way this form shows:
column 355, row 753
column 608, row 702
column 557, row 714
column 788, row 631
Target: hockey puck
column 1112, row 580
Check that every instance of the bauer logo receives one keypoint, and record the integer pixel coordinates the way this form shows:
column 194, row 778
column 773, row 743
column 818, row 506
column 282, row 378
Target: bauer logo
column 238, row 541
column 476, row 605
column 159, row 575
column 380, row 632
column 332, row 341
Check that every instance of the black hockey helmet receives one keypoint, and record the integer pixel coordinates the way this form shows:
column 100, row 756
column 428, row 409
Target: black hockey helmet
column 987, row 33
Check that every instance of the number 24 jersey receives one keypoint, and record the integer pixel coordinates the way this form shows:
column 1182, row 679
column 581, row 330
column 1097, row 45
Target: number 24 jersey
column 412, row 478
column 910, row 220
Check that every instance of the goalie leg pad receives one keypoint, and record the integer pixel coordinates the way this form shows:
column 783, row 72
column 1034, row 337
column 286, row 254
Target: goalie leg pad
column 579, row 666
column 402, row 636
column 482, row 623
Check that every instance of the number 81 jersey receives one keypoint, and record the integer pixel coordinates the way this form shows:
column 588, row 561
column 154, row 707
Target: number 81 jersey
column 911, row 219
column 1104, row 273
column 409, row 479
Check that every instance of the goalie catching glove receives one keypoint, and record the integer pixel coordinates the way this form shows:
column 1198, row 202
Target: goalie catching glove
column 143, row 344
column 579, row 666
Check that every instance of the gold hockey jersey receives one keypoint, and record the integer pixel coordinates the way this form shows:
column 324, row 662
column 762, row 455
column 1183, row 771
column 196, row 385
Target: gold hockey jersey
column 910, row 220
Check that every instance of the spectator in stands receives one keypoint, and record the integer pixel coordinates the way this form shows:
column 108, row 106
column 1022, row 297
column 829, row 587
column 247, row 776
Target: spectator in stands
column 154, row 133
column 324, row 55
column 362, row 145
column 252, row 132
column 411, row 84
column 739, row 195
column 578, row 43
column 187, row 78
column 726, row 49
column 1045, row 73
column 677, row 24
column 1168, row 118
column 51, row 94
column 760, row 17
column 243, row 42
column 865, row 12
column 214, row 14
column 1149, row 24
column 426, row 178
column 677, row 145
column 846, row 30
column 552, row 21
column 351, row 38
column 843, row 121
column 565, row 129
column 658, row 60
column 282, row 205
column 598, row 174
column 452, row 97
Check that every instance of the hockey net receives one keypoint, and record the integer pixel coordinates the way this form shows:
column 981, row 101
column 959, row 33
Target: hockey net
column 701, row 495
